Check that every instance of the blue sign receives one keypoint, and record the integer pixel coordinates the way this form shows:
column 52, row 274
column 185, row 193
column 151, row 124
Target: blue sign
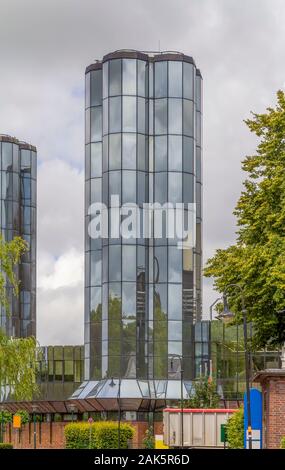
column 256, row 419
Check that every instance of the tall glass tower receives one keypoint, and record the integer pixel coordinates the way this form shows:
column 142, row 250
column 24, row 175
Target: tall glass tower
column 18, row 218
column 143, row 143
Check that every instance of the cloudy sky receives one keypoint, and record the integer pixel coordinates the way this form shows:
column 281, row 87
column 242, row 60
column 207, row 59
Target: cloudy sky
column 45, row 46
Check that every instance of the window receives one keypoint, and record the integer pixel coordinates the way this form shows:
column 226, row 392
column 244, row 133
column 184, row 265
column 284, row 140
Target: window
column 188, row 189
column 188, row 155
column 114, row 184
column 96, row 87
column 188, row 81
column 141, row 115
column 114, row 151
column 129, row 151
column 175, row 153
column 128, row 300
column 96, row 160
column 96, row 267
column 175, row 116
column 129, row 187
column 174, row 187
column 175, row 302
column 129, row 114
column 96, row 190
column 174, row 264
column 115, row 77
column 96, row 124
column 174, row 331
column 115, row 114
column 141, row 78
column 141, row 152
column 129, row 263
column 160, row 264
column 160, row 187
column 7, row 157
column 175, row 78
column 129, row 76
column 161, row 116
column 161, row 153
column 188, row 118
column 160, row 79
column 114, row 262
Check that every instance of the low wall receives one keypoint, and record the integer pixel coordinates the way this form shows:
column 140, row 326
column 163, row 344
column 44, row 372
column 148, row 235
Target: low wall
column 51, row 435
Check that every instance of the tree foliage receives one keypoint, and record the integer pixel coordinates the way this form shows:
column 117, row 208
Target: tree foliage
column 17, row 355
column 235, row 430
column 257, row 261
column 204, row 394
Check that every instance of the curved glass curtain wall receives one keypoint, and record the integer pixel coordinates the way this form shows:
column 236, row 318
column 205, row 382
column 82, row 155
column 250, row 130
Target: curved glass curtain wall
column 18, row 218
column 141, row 144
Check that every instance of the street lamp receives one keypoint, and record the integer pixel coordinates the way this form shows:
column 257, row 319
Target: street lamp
column 34, row 410
column 211, row 307
column 228, row 315
column 112, row 384
column 181, row 395
column 72, row 408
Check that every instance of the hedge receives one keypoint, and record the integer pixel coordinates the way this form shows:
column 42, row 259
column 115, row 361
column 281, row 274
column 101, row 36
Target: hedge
column 6, row 445
column 235, row 430
column 98, row 435
column 282, row 444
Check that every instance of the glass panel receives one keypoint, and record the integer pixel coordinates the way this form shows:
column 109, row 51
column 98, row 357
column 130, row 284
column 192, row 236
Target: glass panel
column 174, row 187
column 96, row 190
column 115, row 114
column 141, row 78
column 142, row 187
column 160, row 265
column 160, row 79
column 160, row 153
column 160, row 187
column 129, row 151
column 129, row 263
column 141, row 115
column 175, row 79
column 175, row 153
column 96, row 87
column 129, row 186
column 129, row 300
column 141, row 152
column 114, row 184
column 95, row 304
column 174, row 302
column 188, row 118
column 175, row 330
column 129, row 114
column 87, row 90
column 160, row 302
column 174, row 264
column 96, row 160
column 188, row 188
column 114, row 262
column 87, row 125
column 105, row 79
column 96, row 268
column 175, row 347
column 188, row 155
column 129, row 76
column 115, row 77
column 96, row 124
column 198, row 165
column 161, row 116
column 174, row 116
column 115, row 302
column 7, row 156
column 188, row 81
column 105, row 116
column 115, row 151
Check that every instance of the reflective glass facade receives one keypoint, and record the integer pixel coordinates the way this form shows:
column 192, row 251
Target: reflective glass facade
column 143, row 142
column 18, row 218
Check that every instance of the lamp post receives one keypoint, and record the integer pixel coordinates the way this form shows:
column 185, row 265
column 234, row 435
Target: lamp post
column 226, row 314
column 181, row 395
column 112, row 384
column 72, row 408
column 34, row 410
column 211, row 307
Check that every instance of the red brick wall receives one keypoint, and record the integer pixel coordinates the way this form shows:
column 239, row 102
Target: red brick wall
column 274, row 411
column 51, row 435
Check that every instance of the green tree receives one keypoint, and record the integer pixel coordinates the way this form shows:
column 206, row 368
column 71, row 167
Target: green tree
column 204, row 394
column 235, row 430
column 257, row 261
column 17, row 355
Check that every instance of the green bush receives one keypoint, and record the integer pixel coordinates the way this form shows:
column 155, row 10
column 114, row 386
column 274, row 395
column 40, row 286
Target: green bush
column 25, row 417
column 149, row 440
column 98, row 435
column 5, row 417
column 6, row 445
column 235, row 430
column 282, row 444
